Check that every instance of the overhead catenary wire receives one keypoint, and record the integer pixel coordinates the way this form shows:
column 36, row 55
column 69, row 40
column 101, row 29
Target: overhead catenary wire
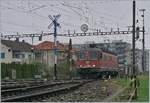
column 45, row 18
column 109, row 17
column 81, row 15
column 21, row 10
column 56, row 6
column 41, row 15
column 47, row 5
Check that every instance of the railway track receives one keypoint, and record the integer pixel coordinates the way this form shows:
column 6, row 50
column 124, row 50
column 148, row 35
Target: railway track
column 22, row 83
column 39, row 92
column 17, row 84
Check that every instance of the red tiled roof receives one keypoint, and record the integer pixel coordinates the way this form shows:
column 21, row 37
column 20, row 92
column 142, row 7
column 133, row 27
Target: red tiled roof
column 47, row 45
column 75, row 50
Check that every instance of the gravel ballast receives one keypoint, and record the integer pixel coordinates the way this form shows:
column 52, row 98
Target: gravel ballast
column 95, row 91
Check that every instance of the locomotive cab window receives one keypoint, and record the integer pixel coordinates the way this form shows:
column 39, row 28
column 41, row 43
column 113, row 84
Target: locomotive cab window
column 81, row 55
column 94, row 55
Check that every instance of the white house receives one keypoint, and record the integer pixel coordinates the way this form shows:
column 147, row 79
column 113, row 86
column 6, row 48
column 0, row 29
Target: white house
column 6, row 54
column 44, row 52
column 15, row 51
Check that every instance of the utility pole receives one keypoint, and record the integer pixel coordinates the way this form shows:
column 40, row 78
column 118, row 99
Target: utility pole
column 32, row 49
column 143, row 41
column 133, row 47
column 54, row 22
column 70, row 57
column 133, row 37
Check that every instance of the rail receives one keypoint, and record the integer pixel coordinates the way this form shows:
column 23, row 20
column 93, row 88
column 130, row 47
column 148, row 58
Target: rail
column 132, row 94
column 43, row 92
column 33, row 87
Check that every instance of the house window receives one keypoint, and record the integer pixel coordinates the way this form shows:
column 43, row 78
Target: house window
column 17, row 56
column 30, row 56
column 2, row 55
column 23, row 55
column 38, row 54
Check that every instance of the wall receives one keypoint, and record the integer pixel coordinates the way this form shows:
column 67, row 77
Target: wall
column 47, row 57
column 28, row 57
column 8, row 54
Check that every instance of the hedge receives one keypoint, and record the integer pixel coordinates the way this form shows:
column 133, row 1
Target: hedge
column 23, row 71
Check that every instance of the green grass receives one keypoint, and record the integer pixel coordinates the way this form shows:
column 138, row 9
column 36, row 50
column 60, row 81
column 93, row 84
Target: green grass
column 143, row 90
column 123, row 81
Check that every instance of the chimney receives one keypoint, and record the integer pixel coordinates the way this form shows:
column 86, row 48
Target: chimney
column 23, row 41
column 17, row 39
column 57, row 42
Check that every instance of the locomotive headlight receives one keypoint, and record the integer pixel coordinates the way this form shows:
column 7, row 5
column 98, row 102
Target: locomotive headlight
column 80, row 65
column 94, row 65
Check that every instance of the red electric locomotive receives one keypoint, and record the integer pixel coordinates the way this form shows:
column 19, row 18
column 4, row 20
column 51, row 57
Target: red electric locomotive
column 94, row 63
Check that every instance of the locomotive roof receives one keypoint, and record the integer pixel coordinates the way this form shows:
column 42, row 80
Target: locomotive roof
column 97, row 49
column 91, row 49
column 109, row 52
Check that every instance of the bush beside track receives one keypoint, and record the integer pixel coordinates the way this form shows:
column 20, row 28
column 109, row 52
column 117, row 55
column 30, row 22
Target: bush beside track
column 23, row 71
column 28, row 71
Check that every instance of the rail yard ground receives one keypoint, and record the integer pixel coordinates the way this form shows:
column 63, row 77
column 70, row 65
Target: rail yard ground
column 38, row 91
column 106, row 90
column 96, row 91
column 112, row 90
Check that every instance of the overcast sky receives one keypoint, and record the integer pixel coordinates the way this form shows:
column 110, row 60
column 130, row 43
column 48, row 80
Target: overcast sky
column 31, row 16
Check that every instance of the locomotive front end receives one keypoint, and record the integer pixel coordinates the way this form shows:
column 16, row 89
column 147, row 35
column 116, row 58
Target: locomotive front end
column 87, row 59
